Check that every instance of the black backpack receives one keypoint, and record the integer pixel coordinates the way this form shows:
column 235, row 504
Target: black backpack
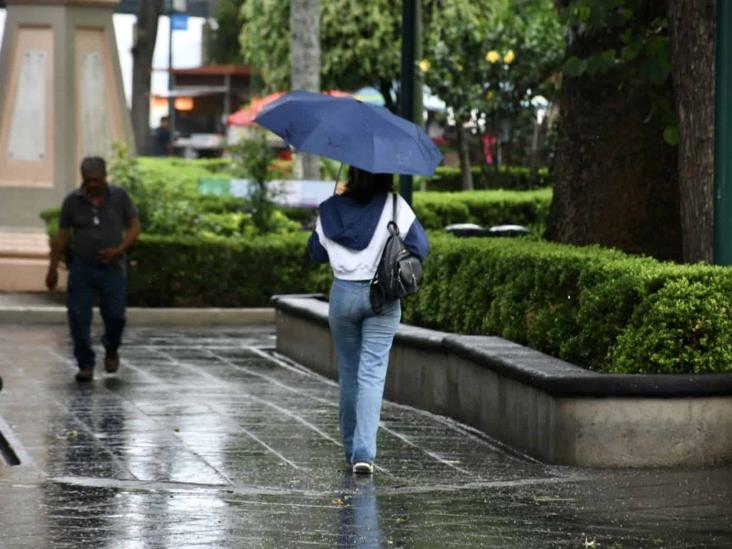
column 399, row 272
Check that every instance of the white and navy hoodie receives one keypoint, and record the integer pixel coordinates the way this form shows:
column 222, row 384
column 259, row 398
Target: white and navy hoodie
column 352, row 236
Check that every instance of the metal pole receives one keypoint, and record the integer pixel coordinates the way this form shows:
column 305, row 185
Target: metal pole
column 723, row 136
column 171, row 99
column 406, row 92
column 418, row 109
column 255, row 81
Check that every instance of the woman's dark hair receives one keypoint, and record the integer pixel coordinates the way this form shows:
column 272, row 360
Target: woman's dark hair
column 362, row 186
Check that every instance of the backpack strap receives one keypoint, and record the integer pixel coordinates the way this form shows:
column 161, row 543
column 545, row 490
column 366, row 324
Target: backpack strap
column 392, row 226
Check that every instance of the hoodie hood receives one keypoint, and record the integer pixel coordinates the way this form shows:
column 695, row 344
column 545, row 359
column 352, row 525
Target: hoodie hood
column 349, row 223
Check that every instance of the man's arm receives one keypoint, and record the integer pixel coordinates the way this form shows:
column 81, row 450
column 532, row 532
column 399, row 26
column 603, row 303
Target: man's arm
column 133, row 231
column 58, row 247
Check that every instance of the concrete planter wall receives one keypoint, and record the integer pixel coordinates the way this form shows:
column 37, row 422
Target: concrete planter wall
column 549, row 409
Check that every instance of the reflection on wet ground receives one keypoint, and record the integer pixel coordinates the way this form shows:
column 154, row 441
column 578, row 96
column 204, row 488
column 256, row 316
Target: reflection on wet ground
column 206, row 438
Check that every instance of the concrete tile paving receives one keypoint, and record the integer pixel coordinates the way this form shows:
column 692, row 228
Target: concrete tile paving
column 207, row 438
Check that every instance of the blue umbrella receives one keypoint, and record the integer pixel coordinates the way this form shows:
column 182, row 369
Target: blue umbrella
column 359, row 134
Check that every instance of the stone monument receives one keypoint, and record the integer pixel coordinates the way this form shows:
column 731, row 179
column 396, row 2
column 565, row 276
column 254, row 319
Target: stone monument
column 61, row 99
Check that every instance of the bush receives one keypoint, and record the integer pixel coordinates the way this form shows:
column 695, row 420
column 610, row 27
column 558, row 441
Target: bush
column 594, row 307
column 487, row 208
column 683, row 328
column 447, row 178
column 165, row 191
column 194, row 272
column 252, row 159
column 180, row 175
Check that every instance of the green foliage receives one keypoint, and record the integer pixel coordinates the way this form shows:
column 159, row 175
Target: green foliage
column 644, row 45
column 632, row 38
column 360, row 42
column 165, row 192
column 447, row 178
column 166, row 271
column 181, row 174
column 684, row 328
column 436, row 210
column 265, row 40
column 224, row 44
column 252, row 159
column 593, row 307
column 493, row 59
column 125, row 172
column 50, row 217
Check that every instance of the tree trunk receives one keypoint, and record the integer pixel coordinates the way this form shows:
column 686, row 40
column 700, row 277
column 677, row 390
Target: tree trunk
column 534, row 149
column 142, row 54
column 305, row 42
column 615, row 177
column 692, row 55
column 466, row 176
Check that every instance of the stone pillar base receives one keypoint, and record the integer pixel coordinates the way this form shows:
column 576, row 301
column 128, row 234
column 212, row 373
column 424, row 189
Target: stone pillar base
column 24, row 262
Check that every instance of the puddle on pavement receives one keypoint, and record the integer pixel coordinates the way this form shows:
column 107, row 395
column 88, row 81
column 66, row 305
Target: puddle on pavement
column 202, row 440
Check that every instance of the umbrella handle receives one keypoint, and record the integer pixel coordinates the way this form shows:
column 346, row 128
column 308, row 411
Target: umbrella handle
column 338, row 176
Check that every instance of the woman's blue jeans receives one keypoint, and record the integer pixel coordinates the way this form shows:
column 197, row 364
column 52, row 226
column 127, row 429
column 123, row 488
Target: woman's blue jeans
column 362, row 341
column 110, row 282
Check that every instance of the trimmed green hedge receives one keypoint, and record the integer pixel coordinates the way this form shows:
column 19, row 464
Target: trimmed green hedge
column 447, row 178
column 594, row 307
column 190, row 272
column 181, row 174
column 437, row 210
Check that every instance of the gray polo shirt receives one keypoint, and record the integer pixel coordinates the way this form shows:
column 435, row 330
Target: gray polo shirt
column 94, row 228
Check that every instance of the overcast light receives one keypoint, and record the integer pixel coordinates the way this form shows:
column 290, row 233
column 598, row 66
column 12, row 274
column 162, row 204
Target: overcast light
column 186, row 48
column 2, row 26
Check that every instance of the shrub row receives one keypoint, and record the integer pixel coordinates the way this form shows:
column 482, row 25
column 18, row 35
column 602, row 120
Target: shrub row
column 447, row 178
column 487, row 208
column 594, row 307
column 192, row 272
column 435, row 210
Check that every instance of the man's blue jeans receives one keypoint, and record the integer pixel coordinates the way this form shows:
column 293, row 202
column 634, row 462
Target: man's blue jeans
column 109, row 281
column 362, row 340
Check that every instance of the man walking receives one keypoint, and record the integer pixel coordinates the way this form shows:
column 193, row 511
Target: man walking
column 98, row 223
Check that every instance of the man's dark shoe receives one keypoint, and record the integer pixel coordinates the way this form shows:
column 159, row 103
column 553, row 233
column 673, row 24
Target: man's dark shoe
column 111, row 363
column 85, row 374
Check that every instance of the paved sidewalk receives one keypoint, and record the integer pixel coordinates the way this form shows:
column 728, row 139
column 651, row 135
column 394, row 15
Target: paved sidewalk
column 206, row 438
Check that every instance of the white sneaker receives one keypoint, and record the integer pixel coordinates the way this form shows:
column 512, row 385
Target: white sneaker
column 363, row 468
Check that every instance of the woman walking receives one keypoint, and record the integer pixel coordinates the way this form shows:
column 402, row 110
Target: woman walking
column 350, row 234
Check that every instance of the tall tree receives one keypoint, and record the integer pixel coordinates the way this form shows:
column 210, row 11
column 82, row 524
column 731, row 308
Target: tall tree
column 360, row 43
column 488, row 60
column 305, row 61
column 142, row 54
column 615, row 176
column 692, row 52
column 224, row 45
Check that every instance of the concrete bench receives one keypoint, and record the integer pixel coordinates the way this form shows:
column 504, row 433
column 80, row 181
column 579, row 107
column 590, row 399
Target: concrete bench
column 536, row 404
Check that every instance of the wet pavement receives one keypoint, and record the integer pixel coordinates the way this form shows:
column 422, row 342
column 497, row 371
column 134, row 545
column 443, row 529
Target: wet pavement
column 207, row 438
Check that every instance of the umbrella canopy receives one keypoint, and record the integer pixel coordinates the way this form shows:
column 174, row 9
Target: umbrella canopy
column 359, row 134
column 246, row 116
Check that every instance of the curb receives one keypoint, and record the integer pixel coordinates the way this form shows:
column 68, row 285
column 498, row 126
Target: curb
column 536, row 404
column 138, row 316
